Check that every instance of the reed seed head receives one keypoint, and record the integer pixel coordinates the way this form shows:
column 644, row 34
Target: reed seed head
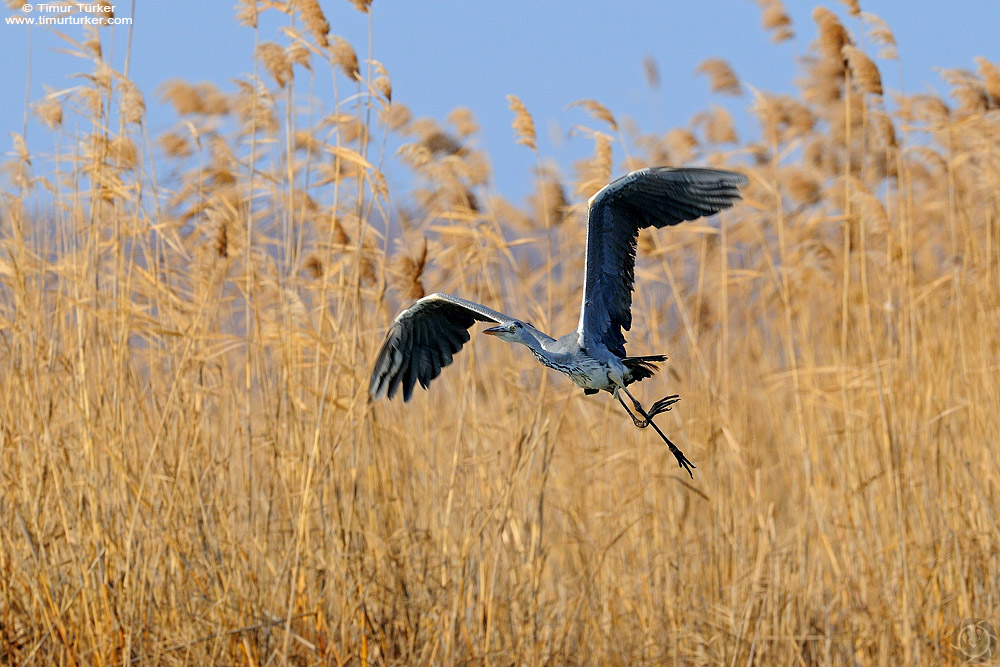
column 524, row 126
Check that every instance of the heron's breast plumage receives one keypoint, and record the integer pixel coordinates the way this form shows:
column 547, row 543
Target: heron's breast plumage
column 586, row 371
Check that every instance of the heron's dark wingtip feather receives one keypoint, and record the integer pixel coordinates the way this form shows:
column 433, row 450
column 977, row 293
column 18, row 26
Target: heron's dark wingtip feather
column 422, row 341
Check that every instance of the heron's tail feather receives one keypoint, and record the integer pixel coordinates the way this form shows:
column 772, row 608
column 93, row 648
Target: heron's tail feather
column 641, row 368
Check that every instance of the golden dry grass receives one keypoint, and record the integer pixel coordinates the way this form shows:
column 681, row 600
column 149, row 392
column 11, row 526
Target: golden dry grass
column 192, row 473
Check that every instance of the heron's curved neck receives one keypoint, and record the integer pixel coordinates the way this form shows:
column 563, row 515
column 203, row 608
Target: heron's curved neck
column 532, row 341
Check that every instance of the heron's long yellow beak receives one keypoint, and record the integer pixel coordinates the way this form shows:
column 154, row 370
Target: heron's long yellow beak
column 493, row 331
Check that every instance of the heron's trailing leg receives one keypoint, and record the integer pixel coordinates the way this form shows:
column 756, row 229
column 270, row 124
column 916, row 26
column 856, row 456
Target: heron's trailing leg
column 661, row 405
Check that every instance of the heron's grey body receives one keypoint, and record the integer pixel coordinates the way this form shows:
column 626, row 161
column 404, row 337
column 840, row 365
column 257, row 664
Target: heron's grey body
column 424, row 337
column 564, row 354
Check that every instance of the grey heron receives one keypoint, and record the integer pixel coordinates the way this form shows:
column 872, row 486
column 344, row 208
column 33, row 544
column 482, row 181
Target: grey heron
column 424, row 337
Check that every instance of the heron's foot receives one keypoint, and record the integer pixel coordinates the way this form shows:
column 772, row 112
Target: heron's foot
column 662, row 405
column 682, row 461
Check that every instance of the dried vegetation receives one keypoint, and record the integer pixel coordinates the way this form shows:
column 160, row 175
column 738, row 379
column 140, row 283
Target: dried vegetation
column 192, row 473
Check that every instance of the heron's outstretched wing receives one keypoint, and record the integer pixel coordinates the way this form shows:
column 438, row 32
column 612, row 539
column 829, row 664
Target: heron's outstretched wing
column 422, row 340
column 651, row 197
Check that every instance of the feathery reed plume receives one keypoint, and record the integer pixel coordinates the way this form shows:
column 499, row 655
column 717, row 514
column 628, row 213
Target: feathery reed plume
column 596, row 110
column 49, row 110
column 924, row 108
column 297, row 52
column 853, row 8
column 882, row 127
column 847, row 119
column 775, row 19
column 102, row 76
column 718, row 125
column 92, row 42
column 440, row 143
column 273, row 57
column 382, row 83
column 817, row 156
column 991, row 80
column 19, row 170
column 123, row 153
column 396, row 117
column 881, row 34
column 549, row 199
column 422, row 127
column 882, row 161
column 832, row 35
column 362, row 5
column 721, row 77
column 338, row 235
column 651, row 71
column 186, row 99
column 366, row 272
column 21, row 147
column 92, row 101
column 524, row 126
column 436, row 140
column 255, row 106
column 654, row 147
column 417, row 156
column 409, row 272
column 224, row 163
column 174, row 145
column 802, row 186
column 314, row 19
column 823, row 83
column 931, row 160
column 247, row 13
column 306, row 140
column 383, row 87
column 475, row 166
column 221, row 241
column 344, row 57
column 349, row 127
column 594, row 173
column 864, row 71
column 464, row 122
column 967, row 90
column 681, row 143
column 132, row 104
column 782, row 116
column 868, row 208
column 313, row 265
column 212, row 101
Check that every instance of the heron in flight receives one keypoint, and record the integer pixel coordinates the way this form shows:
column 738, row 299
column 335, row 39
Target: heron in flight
column 424, row 337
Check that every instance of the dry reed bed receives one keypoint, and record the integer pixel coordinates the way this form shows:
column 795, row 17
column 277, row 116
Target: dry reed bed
column 191, row 473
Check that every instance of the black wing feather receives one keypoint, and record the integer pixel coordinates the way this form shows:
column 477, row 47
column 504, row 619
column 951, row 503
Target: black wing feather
column 423, row 340
column 652, row 197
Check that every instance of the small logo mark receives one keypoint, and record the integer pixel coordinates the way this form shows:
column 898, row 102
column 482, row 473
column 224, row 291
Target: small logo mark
column 26, row 8
column 974, row 640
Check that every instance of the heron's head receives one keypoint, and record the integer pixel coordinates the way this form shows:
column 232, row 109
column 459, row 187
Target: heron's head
column 513, row 331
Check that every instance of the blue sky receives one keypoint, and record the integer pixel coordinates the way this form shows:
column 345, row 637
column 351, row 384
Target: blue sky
column 445, row 54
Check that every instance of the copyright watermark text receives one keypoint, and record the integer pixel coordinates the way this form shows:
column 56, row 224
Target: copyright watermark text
column 78, row 13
